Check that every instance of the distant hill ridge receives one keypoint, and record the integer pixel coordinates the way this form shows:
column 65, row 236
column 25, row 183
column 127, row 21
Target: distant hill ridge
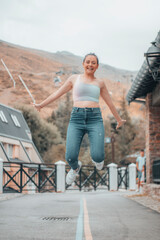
column 75, row 63
column 39, row 68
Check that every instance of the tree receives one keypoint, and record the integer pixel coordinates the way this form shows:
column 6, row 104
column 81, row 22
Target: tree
column 44, row 134
column 125, row 135
column 107, row 146
column 61, row 116
column 55, row 153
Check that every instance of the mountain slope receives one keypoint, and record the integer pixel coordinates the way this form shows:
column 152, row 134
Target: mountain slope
column 39, row 68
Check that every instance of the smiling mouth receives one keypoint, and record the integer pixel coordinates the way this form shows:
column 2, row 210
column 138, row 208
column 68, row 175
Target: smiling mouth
column 90, row 69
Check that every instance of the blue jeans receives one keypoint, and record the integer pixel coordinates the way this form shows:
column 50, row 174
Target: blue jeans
column 139, row 175
column 82, row 121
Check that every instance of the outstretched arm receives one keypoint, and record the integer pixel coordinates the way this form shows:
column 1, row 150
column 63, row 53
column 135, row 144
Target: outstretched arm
column 66, row 87
column 106, row 97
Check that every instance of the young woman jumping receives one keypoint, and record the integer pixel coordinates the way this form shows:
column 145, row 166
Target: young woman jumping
column 85, row 116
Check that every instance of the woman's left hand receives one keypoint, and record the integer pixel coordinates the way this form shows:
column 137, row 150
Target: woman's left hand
column 120, row 123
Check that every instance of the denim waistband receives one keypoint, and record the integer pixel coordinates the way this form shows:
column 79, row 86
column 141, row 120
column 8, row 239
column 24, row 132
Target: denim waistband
column 86, row 109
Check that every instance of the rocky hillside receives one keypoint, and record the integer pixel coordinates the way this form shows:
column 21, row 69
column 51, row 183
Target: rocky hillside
column 39, row 69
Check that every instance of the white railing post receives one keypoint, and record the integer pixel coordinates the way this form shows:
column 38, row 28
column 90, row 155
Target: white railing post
column 1, row 175
column 60, row 178
column 132, row 176
column 113, row 181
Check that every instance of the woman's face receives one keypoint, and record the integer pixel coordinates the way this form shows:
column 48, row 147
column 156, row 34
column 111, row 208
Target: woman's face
column 90, row 64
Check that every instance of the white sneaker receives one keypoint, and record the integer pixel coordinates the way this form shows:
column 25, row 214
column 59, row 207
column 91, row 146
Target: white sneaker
column 99, row 166
column 72, row 174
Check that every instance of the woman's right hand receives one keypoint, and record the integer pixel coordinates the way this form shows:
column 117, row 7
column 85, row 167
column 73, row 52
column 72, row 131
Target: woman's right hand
column 37, row 106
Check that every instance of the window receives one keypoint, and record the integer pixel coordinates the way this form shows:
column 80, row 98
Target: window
column 5, row 146
column 3, row 117
column 15, row 120
column 16, row 151
column 28, row 150
column 10, row 150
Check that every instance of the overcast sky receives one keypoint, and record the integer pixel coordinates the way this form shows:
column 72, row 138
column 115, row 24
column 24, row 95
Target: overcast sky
column 118, row 31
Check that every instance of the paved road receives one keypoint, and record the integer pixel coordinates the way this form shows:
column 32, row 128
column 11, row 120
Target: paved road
column 97, row 215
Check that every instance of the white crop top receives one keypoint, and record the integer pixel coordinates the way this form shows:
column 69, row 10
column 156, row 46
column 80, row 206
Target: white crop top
column 85, row 92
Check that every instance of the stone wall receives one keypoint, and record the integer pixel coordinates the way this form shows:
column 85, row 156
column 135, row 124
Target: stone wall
column 152, row 190
column 152, row 135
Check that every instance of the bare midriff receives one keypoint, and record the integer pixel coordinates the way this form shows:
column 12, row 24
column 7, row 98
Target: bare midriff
column 86, row 104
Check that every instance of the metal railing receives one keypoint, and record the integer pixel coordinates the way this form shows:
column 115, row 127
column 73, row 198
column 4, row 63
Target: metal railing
column 28, row 177
column 123, row 178
column 41, row 177
column 90, row 178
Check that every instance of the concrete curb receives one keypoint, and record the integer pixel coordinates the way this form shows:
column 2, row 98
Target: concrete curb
column 7, row 196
